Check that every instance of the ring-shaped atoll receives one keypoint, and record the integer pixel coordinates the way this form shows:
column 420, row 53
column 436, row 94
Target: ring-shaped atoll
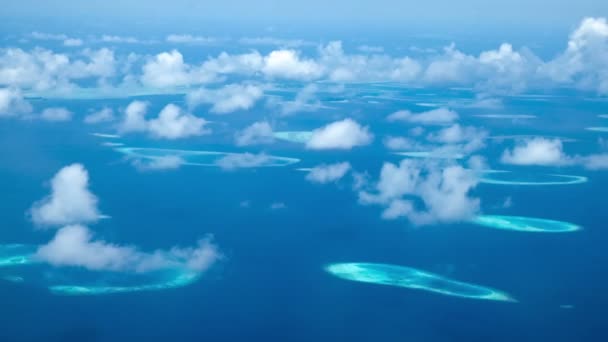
column 19, row 265
column 500, row 177
column 198, row 158
column 407, row 277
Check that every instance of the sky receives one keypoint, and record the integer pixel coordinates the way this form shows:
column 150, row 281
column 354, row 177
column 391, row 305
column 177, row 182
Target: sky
column 419, row 17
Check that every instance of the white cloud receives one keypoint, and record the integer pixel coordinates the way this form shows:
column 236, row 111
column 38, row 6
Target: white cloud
column 288, row 64
column 71, row 42
column 56, row 114
column 118, row 39
column 278, row 206
column 305, row 101
column 159, row 163
column 12, row 103
column 242, row 160
column 424, row 192
column 134, row 118
column 344, row 134
column 584, row 63
column 537, row 151
column 328, row 173
column 70, row 200
column 227, row 99
column 103, row 115
column 256, row 134
column 74, row 245
column 167, row 69
column 431, row 117
column 173, row 123
column 402, row 143
column 189, row 39
column 466, row 139
column 595, row 161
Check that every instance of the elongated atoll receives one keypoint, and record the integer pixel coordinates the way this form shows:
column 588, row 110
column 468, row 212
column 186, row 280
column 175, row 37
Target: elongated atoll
column 18, row 265
column 500, row 177
column 301, row 137
column 430, row 155
column 197, row 158
column 525, row 224
column 401, row 276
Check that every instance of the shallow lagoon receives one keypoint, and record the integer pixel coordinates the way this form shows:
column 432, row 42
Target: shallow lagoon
column 525, row 224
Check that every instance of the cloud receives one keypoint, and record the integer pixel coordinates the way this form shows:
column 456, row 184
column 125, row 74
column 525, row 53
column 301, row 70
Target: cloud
column 189, row 39
column 537, row 151
column 273, row 41
column 256, row 134
column 159, row 163
column 70, row 200
column 56, row 114
column 584, row 63
column 103, row 115
column 328, row 173
column 432, row 117
column 305, row 101
column 402, row 143
column 344, row 134
column 278, row 206
column 74, row 245
column 463, row 138
column 287, row 64
column 12, row 103
column 167, row 69
column 119, row 39
column 172, row 122
column 227, row 99
column 549, row 152
column 424, row 192
column 242, row 160
column 71, row 42
column 134, row 119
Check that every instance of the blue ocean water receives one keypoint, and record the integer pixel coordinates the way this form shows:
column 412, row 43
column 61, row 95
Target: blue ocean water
column 270, row 284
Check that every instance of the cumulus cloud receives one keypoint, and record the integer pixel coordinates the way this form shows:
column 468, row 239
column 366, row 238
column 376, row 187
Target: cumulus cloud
column 73, row 42
column 464, row 138
column 287, row 64
column 134, row 118
column 431, row 117
column 56, row 114
column 344, row 134
column 424, row 192
column 12, row 103
column 103, row 115
column 584, row 63
column 256, row 134
column 227, row 99
column 167, row 69
column 76, row 246
column 537, row 151
column 242, row 160
column 70, row 200
column 549, row 152
column 172, row 122
column 328, row 173
column 305, row 101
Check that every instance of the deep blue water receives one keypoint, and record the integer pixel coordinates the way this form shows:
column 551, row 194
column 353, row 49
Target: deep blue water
column 270, row 285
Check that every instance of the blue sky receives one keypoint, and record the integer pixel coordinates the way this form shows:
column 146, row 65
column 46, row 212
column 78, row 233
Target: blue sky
column 305, row 16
